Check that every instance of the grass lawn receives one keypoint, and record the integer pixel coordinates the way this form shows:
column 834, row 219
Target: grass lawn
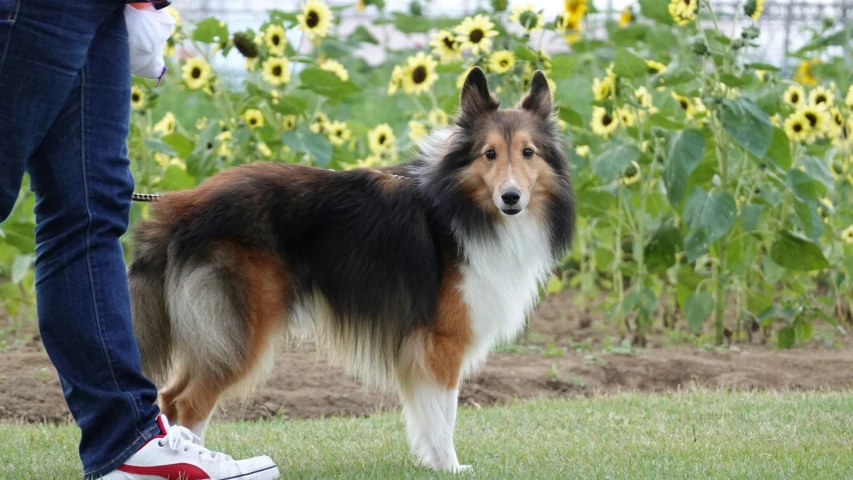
column 690, row 435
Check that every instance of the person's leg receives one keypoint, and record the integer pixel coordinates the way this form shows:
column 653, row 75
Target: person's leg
column 64, row 105
column 81, row 177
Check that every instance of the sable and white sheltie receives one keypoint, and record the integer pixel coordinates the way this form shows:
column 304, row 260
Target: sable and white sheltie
column 406, row 276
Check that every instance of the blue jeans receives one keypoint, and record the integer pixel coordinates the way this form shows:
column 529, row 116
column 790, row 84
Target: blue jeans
column 64, row 115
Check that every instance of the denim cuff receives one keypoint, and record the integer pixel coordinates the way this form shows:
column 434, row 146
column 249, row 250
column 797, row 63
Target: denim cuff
column 124, row 455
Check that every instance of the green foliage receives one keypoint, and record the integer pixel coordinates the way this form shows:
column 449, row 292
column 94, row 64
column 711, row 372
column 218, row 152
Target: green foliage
column 699, row 192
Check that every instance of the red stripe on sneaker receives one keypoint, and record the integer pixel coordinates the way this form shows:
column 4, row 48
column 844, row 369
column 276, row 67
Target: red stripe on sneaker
column 184, row 471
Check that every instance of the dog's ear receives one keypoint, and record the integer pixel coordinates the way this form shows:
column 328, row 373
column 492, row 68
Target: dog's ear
column 538, row 99
column 476, row 99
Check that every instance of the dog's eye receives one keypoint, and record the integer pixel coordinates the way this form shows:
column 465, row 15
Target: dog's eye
column 491, row 155
column 527, row 153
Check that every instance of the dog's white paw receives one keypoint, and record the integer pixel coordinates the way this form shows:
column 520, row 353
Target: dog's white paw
column 463, row 469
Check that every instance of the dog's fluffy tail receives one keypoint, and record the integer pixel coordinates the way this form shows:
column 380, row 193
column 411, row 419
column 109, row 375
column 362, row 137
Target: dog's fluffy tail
column 147, row 281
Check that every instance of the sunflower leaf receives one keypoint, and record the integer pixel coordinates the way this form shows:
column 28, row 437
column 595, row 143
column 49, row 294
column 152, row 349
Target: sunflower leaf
column 628, row 65
column 748, row 125
column 326, row 84
column 684, row 152
column 795, row 252
column 211, row 30
column 610, row 163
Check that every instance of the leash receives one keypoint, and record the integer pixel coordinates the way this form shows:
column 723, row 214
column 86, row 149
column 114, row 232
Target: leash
column 152, row 197
column 145, row 197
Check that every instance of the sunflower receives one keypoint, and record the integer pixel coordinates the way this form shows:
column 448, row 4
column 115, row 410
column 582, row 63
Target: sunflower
column 683, row 11
column 288, row 122
column 445, row 45
column 335, row 67
column 626, row 17
column 264, row 150
column 196, row 73
column 526, row 15
column 630, row 175
column 201, row 123
column 569, row 25
column 603, row 124
column 685, row 104
column 276, row 40
column 626, row 117
column 797, row 127
column 576, row 8
column 224, row 139
column 315, row 19
column 843, row 140
column 166, row 125
column 804, row 75
column 396, row 80
column 794, row 95
column 826, row 208
column 836, row 122
column 602, row 88
column 655, row 67
column 475, row 34
column 381, row 139
column 822, row 97
column 848, row 100
column 137, row 97
column 419, row 74
column 501, row 61
column 338, row 133
column 276, row 71
column 582, row 150
column 320, row 122
column 847, row 235
column 438, row 117
column 253, row 118
column 753, row 9
column 817, row 121
column 417, row 130
column 644, row 98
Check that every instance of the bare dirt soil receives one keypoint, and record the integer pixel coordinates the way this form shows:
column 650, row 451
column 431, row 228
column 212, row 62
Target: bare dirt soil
column 550, row 365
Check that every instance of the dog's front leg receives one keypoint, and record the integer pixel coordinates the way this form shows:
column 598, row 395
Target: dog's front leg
column 430, row 412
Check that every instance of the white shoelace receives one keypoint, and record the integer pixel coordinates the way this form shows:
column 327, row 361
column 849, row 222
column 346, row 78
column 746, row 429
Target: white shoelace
column 181, row 438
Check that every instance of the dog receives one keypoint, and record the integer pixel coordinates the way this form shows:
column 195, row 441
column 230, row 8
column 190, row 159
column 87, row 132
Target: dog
column 406, row 276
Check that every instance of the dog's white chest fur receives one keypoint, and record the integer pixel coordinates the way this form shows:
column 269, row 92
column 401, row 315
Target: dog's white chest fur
column 501, row 281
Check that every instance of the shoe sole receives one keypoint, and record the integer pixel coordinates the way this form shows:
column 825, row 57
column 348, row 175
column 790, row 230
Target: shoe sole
column 268, row 473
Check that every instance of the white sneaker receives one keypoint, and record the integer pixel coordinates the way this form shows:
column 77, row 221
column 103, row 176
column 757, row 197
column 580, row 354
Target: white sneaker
column 176, row 454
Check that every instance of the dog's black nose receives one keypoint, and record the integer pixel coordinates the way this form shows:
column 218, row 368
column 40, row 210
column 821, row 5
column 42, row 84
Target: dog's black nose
column 511, row 196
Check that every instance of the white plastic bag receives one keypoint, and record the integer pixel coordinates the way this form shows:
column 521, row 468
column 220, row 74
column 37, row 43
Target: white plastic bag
column 147, row 31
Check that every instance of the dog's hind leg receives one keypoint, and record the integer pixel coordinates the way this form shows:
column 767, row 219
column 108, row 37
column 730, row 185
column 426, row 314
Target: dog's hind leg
column 227, row 314
column 175, row 386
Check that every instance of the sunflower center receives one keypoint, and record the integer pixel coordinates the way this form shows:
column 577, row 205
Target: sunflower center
column 606, row 120
column 449, row 43
column 820, row 99
column 135, row 97
column 253, row 121
column 684, row 104
column 419, row 74
column 381, row 139
column 798, row 127
column 812, row 118
column 276, row 70
column 276, row 40
column 795, row 98
column 476, row 35
column 312, row 19
column 504, row 62
column 196, row 73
